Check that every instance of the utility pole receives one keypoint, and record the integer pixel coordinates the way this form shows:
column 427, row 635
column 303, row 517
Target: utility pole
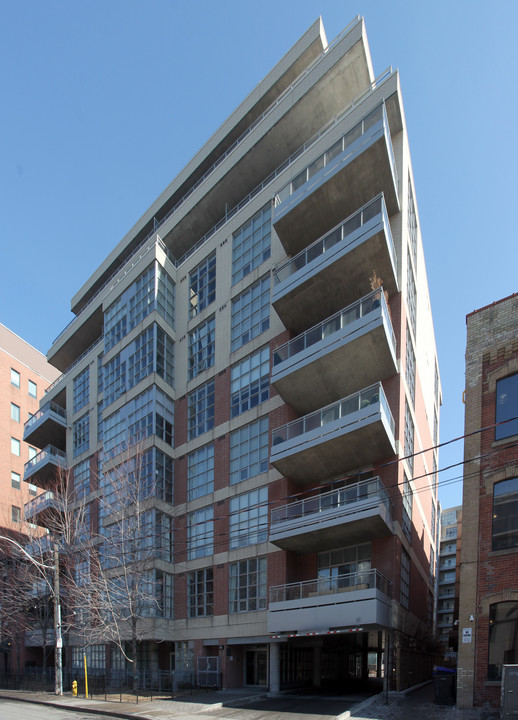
column 57, row 625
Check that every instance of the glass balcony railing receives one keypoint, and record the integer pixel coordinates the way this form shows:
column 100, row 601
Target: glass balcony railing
column 48, row 454
column 346, row 145
column 42, row 502
column 337, row 322
column 341, row 409
column 346, row 233
column 50, row 407
column 362, row 580
column 365, row 493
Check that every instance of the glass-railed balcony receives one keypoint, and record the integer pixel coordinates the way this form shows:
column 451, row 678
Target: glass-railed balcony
column 353, row 348
column 345, row 516
column 326, row 275
column 43, row 468
column 353, row 432
column 47, row 427
column 357, row 165
column 42, row 509
column 356, row 599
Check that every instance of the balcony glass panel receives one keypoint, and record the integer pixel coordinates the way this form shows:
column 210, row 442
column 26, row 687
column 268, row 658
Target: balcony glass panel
column 42, row 502
column 361, row 580
column 367, row 492
column 50, row 407
column 360, row 309
column 345, row 230
column 49, row 453
column 369, row 124
column 347, row 406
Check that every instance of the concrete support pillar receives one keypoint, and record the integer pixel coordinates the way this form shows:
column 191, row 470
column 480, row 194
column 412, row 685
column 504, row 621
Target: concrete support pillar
column 275, row 667
column 317, row 666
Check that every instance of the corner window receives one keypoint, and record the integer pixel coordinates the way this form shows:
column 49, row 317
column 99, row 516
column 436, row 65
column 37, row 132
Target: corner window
column 505, row 514
column 506, row 407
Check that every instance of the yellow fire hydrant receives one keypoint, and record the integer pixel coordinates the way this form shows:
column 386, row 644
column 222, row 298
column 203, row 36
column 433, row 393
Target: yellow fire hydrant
column 74, row 688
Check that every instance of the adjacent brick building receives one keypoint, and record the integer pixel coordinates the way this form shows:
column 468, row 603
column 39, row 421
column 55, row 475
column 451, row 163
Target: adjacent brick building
column 488, row 612
column 25, row 375
column 265, row 332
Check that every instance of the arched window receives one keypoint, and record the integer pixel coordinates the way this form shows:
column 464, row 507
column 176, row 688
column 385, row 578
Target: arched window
column 503, row 637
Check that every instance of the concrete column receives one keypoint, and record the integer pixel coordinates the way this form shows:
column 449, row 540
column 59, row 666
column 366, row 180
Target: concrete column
column 317, row 666
column 275, row 667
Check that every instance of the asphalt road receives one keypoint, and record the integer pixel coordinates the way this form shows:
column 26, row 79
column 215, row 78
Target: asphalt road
column 12, row 710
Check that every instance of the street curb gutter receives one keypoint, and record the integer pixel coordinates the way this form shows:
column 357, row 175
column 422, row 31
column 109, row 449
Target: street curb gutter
column 76, row 708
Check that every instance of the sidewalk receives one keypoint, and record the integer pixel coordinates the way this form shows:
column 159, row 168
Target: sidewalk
column 250, row 705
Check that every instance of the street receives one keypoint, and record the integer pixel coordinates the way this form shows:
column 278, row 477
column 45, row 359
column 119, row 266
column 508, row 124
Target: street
column 13, row 710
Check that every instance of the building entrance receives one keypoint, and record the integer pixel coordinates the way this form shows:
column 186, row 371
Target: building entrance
column 256, row 667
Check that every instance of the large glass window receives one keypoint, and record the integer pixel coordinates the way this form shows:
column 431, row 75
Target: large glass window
column 165, row 296
column 248, row 520
column 251, row 244
column 81, row 388
column 200, row 533
column 503, row 635
column 202, row 285
column 200, row 593
column 150, row 413
column 250, row 382
column 505, row 514
column 202, row 347
column 410, row 365
column 412, row 223
column 247, row 585
column 81, row 474
column 200, row 472
column 507, row 407
column 337, row 568
column 407, row 509
column 411, row 294
column 405, row 578
column 249, row 450
column 140, row 360
column 130, row 308
column 201, row 409
column 409, row 437
column 81, row 435
column 250, row 313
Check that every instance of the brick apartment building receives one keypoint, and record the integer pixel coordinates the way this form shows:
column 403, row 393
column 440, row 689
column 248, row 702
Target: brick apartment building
column 265, row 332
column 24, row 377
column 488, row 612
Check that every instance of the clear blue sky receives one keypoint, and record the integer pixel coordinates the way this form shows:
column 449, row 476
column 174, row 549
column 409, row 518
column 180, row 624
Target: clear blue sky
column 103, row 102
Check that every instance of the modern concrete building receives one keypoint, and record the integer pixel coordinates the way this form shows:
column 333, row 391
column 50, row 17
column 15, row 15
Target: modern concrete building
column 264, row 333
column 447, row 586
column 24, row 377
column 488, row 610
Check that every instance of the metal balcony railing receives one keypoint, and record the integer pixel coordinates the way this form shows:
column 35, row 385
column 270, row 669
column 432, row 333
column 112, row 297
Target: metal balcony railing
column 335, row 323
column 48, row 453
column 44, row 410
column 320, row 418
column 348, row 142
column 347, row 229
column 43, row 502
column 361, row 580
column 350, row 499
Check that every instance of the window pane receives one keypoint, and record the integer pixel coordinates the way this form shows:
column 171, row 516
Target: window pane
column 15, row 378
column 15, row 412
column 507, row 407
column 505, row 514
column 15, row 446
column 33, row 389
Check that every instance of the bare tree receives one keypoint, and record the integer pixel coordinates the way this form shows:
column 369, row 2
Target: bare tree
column 114, row 578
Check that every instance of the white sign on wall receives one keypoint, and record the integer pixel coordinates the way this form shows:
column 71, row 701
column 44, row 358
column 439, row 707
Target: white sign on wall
column 466, row 635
